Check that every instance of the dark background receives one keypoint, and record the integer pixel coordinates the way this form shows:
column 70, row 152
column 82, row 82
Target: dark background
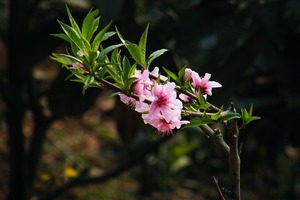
column 251, row 47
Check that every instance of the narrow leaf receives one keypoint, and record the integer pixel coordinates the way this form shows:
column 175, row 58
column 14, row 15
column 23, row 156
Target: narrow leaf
column 173, row 76
column 62, row 36
column 154, row 55
column 73, row 35
column 99, row 38
column 64, row 59
column 230, row 115
column 90, row 24
column 143, row 44
column 72, row 20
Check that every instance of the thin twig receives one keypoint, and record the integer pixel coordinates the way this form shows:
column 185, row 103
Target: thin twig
column 218, row 188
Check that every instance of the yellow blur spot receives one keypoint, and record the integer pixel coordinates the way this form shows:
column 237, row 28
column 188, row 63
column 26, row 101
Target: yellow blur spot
column 70, row 172
column 45, row 176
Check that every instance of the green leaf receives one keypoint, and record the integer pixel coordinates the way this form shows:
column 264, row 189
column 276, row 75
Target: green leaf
column 143, row 45
column 198, row 121
column 108, row 49
column 115, row 75
column 247, row 116
column 64, row 59
column 99, row 38
column 154, row 55
column 230, row 116
column 107, row 35
column 88, row 80
column 136, row 53
column 127, row 84
column 73, row 35
column 202, row 100
column 173, row 76
column 100, row 73
column 72, row 20
column 61, row 36
column 120, row 36
column 181, row 74
column 126, row 67
column 90, row 24
column 217, row 115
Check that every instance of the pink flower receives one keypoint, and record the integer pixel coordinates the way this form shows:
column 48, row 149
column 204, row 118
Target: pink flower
column 162, row 125
column 128, row 100
column 143, row 85
column 155, row 72
column 142, row 89
column 79, row 66
column 184, row 97
column 203, row 83
column 165, row 101
column 188, row 73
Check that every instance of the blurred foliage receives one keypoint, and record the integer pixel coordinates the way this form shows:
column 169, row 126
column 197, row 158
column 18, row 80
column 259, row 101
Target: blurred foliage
column 250, row 46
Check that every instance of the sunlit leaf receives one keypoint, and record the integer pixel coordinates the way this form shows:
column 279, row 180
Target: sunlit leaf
column 72, row 20
column 99, row 38
column 135, row 52
column 143, row 44
column 90, row 24
column 73, row 35
column 62, row 36
column 247, row 116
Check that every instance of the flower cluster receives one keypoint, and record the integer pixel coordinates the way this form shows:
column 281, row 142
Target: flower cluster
column 157, row 102
column 160, row 102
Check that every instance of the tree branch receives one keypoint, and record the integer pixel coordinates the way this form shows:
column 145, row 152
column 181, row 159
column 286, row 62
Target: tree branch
column 234, row 158
column 217, row 137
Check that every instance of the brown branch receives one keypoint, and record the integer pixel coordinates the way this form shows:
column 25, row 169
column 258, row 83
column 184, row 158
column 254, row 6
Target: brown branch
column 217, row 137
column 234, row 158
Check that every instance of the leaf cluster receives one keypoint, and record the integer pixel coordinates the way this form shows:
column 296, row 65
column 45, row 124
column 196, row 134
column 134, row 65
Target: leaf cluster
column 99, row 62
